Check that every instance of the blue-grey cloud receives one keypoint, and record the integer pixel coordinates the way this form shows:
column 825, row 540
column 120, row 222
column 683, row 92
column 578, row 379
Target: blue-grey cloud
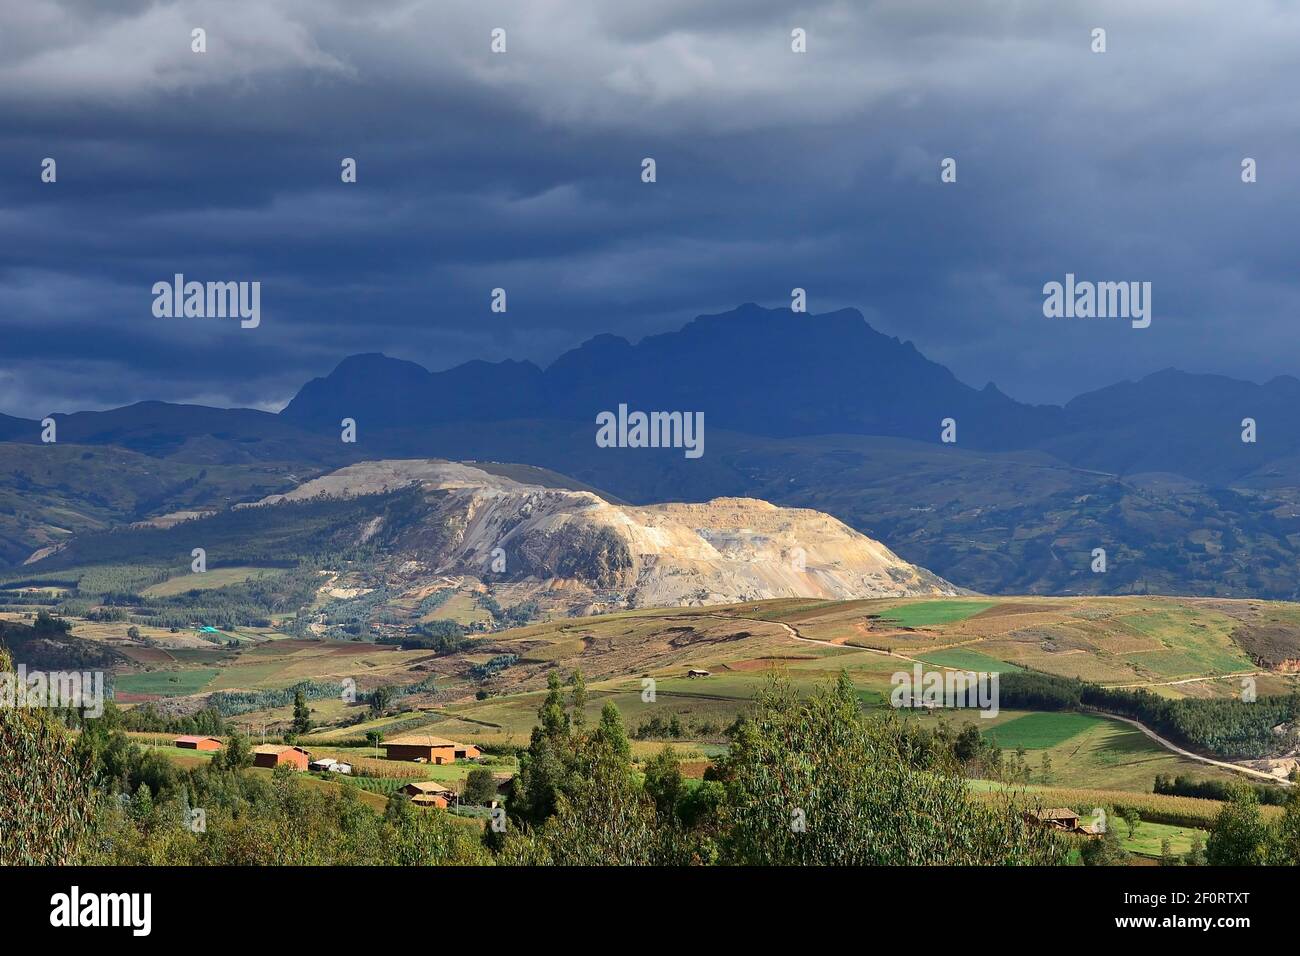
column 521, row 170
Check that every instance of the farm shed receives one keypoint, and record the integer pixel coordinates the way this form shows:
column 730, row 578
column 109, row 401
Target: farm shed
column 1061, row 818
column 196, row 742
column 436, row 750
column 427, row 793
column 273, row 755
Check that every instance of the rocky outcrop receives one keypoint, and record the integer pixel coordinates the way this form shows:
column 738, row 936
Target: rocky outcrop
column 597, row 554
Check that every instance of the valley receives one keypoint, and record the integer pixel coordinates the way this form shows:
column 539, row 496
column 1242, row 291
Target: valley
column 486, row 687
column 356, row 592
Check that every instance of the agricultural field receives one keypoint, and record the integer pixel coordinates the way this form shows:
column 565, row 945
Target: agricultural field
column 1042, row 731
column 961, row 659
column 1148, row 838
column 168, row 683
column 488, row 691
column 1189, row 812
column 1082, row 749
column 208, row 580
column 919, row 614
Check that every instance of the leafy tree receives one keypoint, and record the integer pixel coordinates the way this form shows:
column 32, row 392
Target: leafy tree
column 602, row 816
column 814, row 782
column 1196, row 854
column 1284, row 847
column 663, row 781
column 611, row 733
column 1131, row 818
column 236, row 754
column 969, row 744
column 1167, row 855
column 480, row 787
column 1239, row 836
column 546, row 768
column 142, row 804
column 1105, row 850
column 381, row 698
column 398, row 808
column 46, row 625
column 45, row 802
column 578, row 699
column 301, row 714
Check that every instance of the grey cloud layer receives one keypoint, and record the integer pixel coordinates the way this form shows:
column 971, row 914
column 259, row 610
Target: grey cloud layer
column 775, row 170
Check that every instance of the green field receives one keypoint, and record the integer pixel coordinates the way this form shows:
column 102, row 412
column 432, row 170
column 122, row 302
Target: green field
column 166, row 683
column 933, row 613
column 1147, row 837
column 969, row 661
column 1038, row 731
column 208, row 580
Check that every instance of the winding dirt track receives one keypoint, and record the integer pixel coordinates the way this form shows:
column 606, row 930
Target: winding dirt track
column 1168, row 745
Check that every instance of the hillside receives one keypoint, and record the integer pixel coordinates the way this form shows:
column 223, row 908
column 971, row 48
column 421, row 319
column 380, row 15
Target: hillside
column 486, row 688
column 807, row 411
column 579, row 552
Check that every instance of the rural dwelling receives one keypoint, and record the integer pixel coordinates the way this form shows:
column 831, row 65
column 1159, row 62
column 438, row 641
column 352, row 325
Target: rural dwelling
column 330, row 765
column 427, row 793
column 1060, row 818
column 428, row 749
column 196, row 742
column 277, row 755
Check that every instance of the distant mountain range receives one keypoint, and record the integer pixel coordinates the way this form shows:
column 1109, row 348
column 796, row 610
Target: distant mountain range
column 812, row 410
column 758, row 371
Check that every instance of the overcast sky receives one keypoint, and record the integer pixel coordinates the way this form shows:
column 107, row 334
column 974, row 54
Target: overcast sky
column 522, row 170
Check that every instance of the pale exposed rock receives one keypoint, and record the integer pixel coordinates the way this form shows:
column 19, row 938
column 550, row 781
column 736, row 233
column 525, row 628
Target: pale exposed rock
column 589, row 553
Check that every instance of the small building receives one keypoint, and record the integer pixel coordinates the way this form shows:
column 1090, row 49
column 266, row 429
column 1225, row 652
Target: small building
column 428, row 793
column 1059, row 818
column 428, row 749
column 330, row 765
column 697, row 672
column 197, row 742
column 276, row 755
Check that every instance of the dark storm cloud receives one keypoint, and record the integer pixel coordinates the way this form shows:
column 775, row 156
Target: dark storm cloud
column 522, row 171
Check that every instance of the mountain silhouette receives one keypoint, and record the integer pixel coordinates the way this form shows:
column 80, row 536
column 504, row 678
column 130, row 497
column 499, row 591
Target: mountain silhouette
column 760, row 371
